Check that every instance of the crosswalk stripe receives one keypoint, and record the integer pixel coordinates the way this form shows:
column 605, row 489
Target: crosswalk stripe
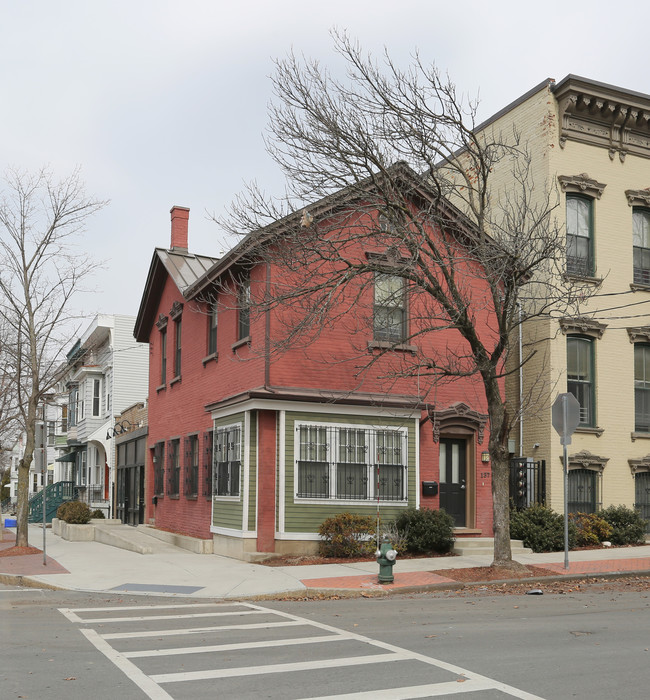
column 277, row 668
column 233, row 647
column 199, row 630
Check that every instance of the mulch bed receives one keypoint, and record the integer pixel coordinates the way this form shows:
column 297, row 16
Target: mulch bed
column 494, row 573
column 19, row 551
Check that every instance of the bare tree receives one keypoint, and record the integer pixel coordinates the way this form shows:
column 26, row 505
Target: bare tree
column 42, row 265
column 404, row 144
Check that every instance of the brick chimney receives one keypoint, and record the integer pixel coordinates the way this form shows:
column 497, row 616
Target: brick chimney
column 180, row 217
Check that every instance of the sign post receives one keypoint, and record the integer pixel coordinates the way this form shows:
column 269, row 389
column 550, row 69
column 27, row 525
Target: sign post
column 565, row 419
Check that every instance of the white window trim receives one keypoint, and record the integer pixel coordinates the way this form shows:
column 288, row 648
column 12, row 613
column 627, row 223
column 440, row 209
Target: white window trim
column 242, row 437
column 372, row 497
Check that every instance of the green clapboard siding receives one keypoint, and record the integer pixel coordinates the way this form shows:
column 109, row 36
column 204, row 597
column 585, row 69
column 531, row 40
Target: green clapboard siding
column 229, row 513
column 307, row 517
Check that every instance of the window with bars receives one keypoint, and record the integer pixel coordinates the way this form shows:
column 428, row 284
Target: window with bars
column 208, row 442
column 641, row 242
column 173, row 468
column 583, row 491
column 192, row 466
column 227, row 461
column 159, row 469
column 351, row 463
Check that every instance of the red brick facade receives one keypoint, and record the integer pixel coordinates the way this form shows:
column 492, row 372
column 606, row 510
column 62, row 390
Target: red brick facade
column 178, row 404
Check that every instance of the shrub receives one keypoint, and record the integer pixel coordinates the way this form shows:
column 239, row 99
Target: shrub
column 426, row 530
column 540, row 528
column 395, row 536
column 98, row 513
column 591, row 528
column 74, row 512
column 347, row 535
column 628, row 527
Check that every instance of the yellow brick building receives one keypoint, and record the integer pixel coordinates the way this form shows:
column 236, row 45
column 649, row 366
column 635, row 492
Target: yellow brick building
column 590, row 142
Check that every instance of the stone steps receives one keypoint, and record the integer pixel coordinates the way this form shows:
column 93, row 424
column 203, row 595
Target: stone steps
column 473, row 546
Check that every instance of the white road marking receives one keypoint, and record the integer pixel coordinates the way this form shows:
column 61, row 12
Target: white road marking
column 278, row 668
column 20, row 590
column 179, row 651
column 467, row 681
column 130, row 670
column 198, row 630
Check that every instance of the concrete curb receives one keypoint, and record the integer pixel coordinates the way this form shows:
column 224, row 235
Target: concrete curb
column 306, row 593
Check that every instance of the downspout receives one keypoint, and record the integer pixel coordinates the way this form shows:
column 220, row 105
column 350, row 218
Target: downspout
column 521, row 385
column 267, row 330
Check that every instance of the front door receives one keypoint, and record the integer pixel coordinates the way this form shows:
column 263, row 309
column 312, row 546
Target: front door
column 453, row 490
column 134, row 501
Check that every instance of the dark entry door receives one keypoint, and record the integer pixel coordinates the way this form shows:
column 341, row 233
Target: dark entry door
column 453, row 493
column 134, row 500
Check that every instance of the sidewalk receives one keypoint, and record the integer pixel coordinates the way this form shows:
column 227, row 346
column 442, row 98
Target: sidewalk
column 92, row 566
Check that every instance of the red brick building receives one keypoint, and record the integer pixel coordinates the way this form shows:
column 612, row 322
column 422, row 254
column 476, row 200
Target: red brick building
column 255, row 447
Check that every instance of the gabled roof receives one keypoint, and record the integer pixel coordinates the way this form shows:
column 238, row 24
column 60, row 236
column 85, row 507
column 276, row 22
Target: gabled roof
column 183, row 268
column 401, row 172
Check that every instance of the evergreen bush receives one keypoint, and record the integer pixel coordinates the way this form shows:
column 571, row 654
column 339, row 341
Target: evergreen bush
column 426, row 530
column 347, row 535
column 540, row 528
column 74, row 512
column 628, row 527
column 98, row 513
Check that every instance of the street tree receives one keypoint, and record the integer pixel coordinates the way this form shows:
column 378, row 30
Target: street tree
column 365, row 139
column 42, row 265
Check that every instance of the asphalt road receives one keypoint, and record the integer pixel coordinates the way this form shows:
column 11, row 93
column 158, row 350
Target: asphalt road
column 59, row 645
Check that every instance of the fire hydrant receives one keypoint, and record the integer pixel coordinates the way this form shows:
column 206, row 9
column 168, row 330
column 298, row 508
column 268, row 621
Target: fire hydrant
column 386, row 556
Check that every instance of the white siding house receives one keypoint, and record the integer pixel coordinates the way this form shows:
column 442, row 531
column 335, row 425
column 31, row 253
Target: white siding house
column 107, row 371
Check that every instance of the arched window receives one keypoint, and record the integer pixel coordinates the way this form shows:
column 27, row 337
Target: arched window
column 579, row 230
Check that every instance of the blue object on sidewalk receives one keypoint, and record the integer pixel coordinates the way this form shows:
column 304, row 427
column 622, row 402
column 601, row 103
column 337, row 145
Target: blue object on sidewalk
column 10, row 522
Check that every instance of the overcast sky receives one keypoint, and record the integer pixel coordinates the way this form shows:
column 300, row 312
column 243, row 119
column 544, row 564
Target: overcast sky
column 165, row 102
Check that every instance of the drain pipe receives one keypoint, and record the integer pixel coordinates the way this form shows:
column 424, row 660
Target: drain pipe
column 521, row 385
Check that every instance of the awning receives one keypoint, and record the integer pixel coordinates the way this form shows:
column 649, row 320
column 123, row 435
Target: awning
column 69, row 457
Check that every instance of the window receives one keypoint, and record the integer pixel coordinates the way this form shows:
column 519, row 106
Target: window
column 582, row 494
column 64, row 418
column 642, row 388
column 173, row 476
column 212, row 330
column 81, row 400
column 97, row 388
column 208, row 440
column 227, row 461
column 389, row 316
column 177, row 348
column 72, row 406
column 641, row 239
column 159, row 469
column 192, row 466
column 51, row 427
column 579, row 229
column 244, row 307
column 580, row 376
column 350, row 463
column 163, row 356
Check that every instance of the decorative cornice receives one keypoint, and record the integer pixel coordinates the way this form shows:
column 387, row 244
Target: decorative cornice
column 638, row 198
column 582, row 184
column 640, row 334
column 176, row 310
column 583, row 326
column 161, row 323
column 586, row 460
column 639, row 465
column 458, row 414
column 604, row 116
